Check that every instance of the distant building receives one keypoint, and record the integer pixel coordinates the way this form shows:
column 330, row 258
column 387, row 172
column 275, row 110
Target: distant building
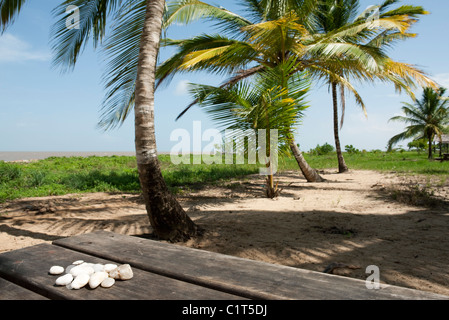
column 443, row 143
column 444, row 139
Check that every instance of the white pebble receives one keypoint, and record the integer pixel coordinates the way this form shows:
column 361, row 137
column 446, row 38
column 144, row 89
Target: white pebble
column 123, row 272
column 87, row 264
column 107, row 283
column 98, row 267
column 70, row 267
column 126, row 272
column 56, row 270
column 64, row 280
column 97, row 278
column 109, row 267
column 80, row 281
column 81, row 269
column 81, row 273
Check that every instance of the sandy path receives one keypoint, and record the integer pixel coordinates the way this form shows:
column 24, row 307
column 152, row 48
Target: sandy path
column 348, row 219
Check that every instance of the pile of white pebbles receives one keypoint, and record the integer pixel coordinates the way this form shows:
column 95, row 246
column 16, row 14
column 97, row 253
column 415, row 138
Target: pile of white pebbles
column 80, row 273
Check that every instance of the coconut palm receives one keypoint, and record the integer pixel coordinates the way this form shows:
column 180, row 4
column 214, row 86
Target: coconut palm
column 274, row 32
column 117, row 107
column 271, row 32
column 166, row 215
column 428, row 117
column 331, row 16
column 273, row 100
column 334, row 15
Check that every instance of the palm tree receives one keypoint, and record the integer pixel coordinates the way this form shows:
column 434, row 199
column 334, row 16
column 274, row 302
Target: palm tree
column 117, row 108
column 272, row 31
column 275, row 31
column 166, row 215
column 427, row 118
column 334, row 15
column 331, row 16
column 274, row 100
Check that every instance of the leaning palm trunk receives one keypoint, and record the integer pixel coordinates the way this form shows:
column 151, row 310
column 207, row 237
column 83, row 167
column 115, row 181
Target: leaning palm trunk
column 310, row 174
column 271, row 190
column 341, row 161
column 167, row 217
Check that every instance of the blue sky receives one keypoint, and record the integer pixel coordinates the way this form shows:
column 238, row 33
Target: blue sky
column 44, row 110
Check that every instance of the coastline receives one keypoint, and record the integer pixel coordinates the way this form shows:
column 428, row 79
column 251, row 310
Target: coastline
column 24, row 156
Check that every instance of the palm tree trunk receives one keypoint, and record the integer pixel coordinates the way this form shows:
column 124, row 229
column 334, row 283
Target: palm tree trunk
column 167, row 217
column 310, row 174
column 341, row 161
column 430, row 156
column 270, row 191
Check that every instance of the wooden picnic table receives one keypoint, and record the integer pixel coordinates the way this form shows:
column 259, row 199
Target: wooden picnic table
column 164, row 271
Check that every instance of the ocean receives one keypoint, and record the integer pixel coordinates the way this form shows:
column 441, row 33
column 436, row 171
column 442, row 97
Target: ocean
column 38, row 155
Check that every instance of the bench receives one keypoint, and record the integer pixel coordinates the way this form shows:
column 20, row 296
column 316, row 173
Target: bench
column 164, row 271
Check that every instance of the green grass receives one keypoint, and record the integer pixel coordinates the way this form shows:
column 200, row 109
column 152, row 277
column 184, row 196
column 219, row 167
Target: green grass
column 58, row 176
column 400, row 162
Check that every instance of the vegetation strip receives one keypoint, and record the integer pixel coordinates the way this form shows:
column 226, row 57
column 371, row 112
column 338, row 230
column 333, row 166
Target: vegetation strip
column 59, row 176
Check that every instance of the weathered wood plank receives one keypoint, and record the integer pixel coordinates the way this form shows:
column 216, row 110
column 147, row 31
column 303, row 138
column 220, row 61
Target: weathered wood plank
column 11, row 291
column 248, row 278
column 29, row 267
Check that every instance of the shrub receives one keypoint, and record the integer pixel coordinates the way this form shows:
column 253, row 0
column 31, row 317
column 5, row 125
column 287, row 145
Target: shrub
column 36, row 178
column 418, row 145
column 9, row 172
column 322, row 150
column 350, row 149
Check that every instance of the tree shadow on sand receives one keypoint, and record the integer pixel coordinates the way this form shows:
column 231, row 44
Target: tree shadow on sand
column 410, row 248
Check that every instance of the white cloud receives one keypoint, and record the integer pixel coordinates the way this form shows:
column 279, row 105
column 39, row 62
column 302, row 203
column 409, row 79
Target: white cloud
column 12, row 49
column 182, row 88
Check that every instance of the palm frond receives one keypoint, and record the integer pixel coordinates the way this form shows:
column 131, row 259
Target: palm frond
column 272, row 37
column 410, row 133
column 331, row 15
column 405, row 10
column 187, row 11
column 253, row 9
column 386, row 38
column 201, row 53
column 68, row 43
column 9, row 9
column 241, row 75
column 275, row 99
column 366, row 57
column 409, row 73
column 387, row 3
column 121, row 52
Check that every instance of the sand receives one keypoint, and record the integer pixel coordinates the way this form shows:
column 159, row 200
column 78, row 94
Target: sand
column 350, row 219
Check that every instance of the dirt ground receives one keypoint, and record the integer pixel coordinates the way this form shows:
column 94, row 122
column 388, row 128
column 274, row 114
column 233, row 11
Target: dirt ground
column 355, row 219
